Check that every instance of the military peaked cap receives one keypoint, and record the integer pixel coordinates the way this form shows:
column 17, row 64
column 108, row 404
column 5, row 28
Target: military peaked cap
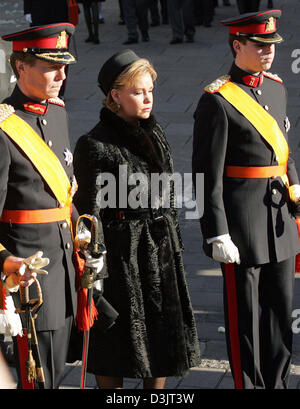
column 49, row 42
column 258, row 26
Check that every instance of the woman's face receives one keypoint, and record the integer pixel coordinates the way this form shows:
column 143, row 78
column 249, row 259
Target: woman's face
column 135, row 100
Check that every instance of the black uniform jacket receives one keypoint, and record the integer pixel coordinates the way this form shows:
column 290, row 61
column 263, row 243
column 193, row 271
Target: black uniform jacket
column 22, row 188
column 255, row 212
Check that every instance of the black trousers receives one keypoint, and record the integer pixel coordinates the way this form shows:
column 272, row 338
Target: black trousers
column 204, row 11
column 135, row 13
column 258, row 304
column 247, row 6
column 53, row 347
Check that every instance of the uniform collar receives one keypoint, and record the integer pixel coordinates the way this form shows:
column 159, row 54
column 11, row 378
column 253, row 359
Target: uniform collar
column 35, row 108
column 240, row 76
column 23, row 103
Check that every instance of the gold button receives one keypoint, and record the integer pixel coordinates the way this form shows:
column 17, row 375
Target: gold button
column 44, row 121
column 274, row 191
column 68, row 245
column 258, row 92
column 266, row 107
column 50, row 143
column 64, row 225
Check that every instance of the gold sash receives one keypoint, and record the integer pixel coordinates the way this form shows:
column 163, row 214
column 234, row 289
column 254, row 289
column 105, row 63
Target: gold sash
column 46, row 162
column 41, row 156
column 263, row 122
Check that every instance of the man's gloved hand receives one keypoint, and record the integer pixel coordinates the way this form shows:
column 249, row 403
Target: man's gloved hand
column 28, row 17
column 30, row 267
column 294, row 192
column 225, row 251
column 96, row 263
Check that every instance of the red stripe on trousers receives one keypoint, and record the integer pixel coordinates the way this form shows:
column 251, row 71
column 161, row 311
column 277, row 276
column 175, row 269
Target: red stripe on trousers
column 233, row 325
column 23, row 355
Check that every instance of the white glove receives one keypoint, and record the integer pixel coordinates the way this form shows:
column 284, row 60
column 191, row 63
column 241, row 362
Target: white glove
column 294, row 191
column 33, row 263
column 10, row 322
column 225, row 251
column 95, row 263
column 28, row 18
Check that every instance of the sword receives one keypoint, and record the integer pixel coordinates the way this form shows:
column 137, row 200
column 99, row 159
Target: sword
column 86, row 240
column 29, row 307
column 33, row 364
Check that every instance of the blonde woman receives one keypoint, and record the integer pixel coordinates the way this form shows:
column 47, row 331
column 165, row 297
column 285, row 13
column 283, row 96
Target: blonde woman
column 155, row 334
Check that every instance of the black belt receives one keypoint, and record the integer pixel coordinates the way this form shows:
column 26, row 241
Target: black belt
column 132, row 214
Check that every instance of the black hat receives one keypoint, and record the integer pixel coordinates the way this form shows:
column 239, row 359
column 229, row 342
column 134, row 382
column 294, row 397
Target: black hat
column 113, row 67
column 258, row 26
column 48, row 43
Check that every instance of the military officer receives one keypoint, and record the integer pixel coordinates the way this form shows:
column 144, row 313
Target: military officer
column 240, row 144
column 37, row 184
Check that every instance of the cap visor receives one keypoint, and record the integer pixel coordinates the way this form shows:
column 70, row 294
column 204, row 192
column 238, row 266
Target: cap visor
column 59, row 58
column 271, row 39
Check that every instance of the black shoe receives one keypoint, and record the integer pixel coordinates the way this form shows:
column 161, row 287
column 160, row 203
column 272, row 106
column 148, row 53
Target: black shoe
column 121, row 23
column 131, row 41
column 96, row 41
column 155, row 23
column 90, row 39
column 189, row 39
column 101, row 20
column 165, row 21
column 176, row 41
column 145, row 39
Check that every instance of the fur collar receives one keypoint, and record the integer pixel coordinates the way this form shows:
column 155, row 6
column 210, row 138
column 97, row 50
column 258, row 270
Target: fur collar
column 138, row 138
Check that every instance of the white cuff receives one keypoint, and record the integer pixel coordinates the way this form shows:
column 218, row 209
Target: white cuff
column 222, row 238
column 294, row 191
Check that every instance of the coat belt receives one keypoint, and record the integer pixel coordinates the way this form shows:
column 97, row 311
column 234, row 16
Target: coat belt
column 255, row 171
column 126, row 214
column 36, row 216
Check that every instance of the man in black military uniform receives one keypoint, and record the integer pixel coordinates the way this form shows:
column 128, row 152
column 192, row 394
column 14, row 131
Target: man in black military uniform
column 240, row 144
column 37, row 184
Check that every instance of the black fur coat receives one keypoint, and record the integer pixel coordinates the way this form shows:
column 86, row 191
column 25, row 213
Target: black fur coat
column 155, row 334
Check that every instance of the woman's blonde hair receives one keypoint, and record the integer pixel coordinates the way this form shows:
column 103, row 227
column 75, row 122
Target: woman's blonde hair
column 127, row 77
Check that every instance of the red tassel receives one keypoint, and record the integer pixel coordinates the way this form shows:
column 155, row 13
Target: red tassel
column 297, row 264
column 3, row 294
column 83, row 320
column 22, row 343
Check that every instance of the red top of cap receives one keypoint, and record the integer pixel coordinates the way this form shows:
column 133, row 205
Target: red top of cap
column 51, row 36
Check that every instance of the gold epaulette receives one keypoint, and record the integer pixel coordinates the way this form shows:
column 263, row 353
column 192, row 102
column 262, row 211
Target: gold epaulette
column 217, row 84
column 56, row 101
column 5, row 111
column 274, row 77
